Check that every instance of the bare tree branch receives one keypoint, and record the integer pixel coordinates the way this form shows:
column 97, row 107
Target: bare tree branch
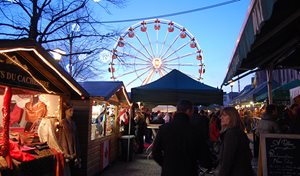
column 50, row 23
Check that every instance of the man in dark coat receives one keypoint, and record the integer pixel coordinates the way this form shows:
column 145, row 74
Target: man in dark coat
column 201, row 123
column 178, row 148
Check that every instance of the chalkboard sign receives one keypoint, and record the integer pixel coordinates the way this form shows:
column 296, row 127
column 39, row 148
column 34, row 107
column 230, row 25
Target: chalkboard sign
column 280, row 154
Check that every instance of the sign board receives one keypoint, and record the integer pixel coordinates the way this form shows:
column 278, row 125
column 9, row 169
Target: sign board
column 280, row 154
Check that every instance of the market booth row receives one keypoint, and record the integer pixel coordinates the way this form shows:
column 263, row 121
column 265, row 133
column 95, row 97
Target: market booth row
column 33, row 88
column 108, row 103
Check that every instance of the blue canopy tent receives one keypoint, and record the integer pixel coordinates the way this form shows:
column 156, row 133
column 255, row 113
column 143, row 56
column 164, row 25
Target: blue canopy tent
column 175, row 86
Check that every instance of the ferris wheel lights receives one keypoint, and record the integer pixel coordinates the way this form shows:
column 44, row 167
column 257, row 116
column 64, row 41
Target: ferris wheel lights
column 183, row 33
column 157, row 24
column 147, row 59
column 143, row 27
column 131, row 32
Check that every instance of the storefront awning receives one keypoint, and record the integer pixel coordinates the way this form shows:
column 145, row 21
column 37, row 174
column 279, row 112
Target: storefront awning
column 281, row 93
column 270, row 37
column 252, row 93
column 26, row 64
column 105, row 90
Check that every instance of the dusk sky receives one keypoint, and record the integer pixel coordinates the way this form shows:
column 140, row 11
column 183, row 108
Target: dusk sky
column 216, row 29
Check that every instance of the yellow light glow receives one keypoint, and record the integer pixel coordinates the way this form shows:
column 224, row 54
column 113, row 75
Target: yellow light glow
column 46, row 62
column 156, row 63
column 14, row 60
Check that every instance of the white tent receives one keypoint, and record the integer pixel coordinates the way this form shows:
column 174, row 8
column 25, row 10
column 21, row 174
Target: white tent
column 294, row 92
column 164, row 108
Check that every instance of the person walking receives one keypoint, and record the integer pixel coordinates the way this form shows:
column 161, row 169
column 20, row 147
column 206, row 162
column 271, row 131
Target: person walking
column 178, row 148
column 235, row 154
column 140, row 130
column 201, row 122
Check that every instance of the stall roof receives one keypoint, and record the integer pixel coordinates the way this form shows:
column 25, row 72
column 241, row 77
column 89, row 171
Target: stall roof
column 270, row 36
column 281, row 93
column 251, row 94
column 44, row 63
column 174, row 86
column 106, row 89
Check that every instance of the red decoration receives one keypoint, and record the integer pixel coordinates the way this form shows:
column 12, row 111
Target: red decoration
column 4, row 149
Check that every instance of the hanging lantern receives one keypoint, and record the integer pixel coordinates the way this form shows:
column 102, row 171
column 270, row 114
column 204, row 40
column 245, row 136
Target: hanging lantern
column 183, row 33
column 157, row 25
column 171, row 27
column 143, row 27
column 131, row 32
column 193, row 43
column 121, row 42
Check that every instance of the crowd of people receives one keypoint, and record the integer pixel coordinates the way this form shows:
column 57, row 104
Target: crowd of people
column 191, row 139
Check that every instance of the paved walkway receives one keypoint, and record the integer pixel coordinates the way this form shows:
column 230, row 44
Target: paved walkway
column 140, row 166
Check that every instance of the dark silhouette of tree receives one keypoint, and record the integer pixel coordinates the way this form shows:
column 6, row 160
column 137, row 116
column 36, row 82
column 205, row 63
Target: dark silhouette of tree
column 71, row 25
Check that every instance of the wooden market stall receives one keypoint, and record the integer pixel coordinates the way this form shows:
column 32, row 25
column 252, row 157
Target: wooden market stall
column 108, row 101
column 33, row 87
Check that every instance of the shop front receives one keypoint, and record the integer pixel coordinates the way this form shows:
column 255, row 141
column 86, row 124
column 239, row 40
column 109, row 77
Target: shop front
column 33, row 88
column 109, row 104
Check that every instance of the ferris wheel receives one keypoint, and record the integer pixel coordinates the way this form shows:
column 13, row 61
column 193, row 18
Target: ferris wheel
column 150, row 49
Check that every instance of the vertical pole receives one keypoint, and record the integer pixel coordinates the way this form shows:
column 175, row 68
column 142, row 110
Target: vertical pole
column 239, row 86
column 71, row 51
column 131, row 116
column 269, row 81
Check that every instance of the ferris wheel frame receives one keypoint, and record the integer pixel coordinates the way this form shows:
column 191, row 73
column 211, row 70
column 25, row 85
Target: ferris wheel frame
column 154, row 62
